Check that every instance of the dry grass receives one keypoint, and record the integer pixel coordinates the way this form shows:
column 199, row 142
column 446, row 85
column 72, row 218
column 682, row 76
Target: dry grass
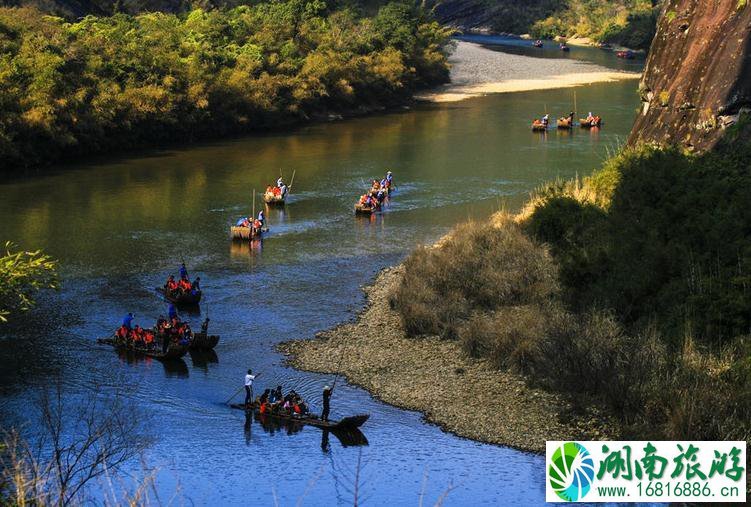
column 478, row 267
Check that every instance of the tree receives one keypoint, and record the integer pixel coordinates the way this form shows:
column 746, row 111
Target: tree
column 22, row 275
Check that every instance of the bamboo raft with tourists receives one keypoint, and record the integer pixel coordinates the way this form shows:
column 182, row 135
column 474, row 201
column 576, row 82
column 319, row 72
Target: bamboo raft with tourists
column 182, row 292
column 374, row 200
column 346, row 423
column 590, row 122
column 250, row 228
column 277, row 195
column 172, row 353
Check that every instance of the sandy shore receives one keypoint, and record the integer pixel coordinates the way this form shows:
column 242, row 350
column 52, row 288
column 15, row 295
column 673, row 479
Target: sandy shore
column 479, row 71
column 462, row 395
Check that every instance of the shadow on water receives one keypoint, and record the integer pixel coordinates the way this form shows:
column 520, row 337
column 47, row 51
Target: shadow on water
column 347, row 438
column 175, row 368
column 202, row 358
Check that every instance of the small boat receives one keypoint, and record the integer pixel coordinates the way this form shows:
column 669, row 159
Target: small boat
column 588, row 124
column 181, row 298
column 173, row 352
column 539, row 126
column 538, row 44
column 626, row 55
column 564, row 47
column 347, row 423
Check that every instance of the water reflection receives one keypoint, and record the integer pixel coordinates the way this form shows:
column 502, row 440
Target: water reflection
column 353, row 437
column 203, row 358
column 175, row 368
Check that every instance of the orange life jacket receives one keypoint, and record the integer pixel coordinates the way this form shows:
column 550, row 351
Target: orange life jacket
column 296, row 408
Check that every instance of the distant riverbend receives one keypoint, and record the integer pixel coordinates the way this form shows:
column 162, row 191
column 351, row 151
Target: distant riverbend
column 476, row 70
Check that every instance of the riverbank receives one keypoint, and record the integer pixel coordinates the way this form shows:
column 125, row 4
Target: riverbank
column 464, row 396
column 476, row 70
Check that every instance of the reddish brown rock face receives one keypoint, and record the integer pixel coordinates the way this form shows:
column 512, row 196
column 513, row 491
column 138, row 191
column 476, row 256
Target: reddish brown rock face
column 698, row 74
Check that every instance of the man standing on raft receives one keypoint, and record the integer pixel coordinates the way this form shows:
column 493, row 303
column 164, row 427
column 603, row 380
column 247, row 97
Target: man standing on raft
column 249, row 378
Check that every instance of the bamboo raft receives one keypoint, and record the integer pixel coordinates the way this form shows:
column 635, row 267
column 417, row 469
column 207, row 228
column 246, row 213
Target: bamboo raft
column 203, row 341
column 361, row 209
column 247, row 233
column 583, row 123
column 347, row 423
column 173, row 352
column 272, row 199
column 538, row 126
column 565, row 123
column 181, row 299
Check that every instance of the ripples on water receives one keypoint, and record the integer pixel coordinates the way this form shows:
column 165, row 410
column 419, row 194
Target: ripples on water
column 118, row 228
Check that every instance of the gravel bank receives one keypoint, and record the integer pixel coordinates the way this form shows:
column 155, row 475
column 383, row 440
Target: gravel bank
column 477, row 71
column 464, row 396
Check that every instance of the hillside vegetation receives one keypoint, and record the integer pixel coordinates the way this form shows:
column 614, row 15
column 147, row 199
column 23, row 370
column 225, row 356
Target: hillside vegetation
column 69, row 89
column 631, row 288
column 627, row 22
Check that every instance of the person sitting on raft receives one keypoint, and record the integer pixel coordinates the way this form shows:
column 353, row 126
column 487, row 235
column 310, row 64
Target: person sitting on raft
column 184, row 285
column 171, row 285
column 263, row 402
column 243, row 222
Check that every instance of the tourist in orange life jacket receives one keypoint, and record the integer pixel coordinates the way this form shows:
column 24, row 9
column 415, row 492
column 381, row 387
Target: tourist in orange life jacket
column 122, row 333
column 148, row 338
column 171, row 284
column 184, row 285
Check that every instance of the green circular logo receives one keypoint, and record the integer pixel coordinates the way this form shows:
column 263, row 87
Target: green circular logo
column 571, row 471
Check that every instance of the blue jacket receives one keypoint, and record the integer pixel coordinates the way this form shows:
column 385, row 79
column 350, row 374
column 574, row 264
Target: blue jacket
column 128, row 321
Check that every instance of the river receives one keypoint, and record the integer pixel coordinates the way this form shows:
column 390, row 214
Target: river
column 120, row 226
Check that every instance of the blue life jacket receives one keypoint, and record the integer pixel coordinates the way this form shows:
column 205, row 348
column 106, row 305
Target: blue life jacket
column 128, row 321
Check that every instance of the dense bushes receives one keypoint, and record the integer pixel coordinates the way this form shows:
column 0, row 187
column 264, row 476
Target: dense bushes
column 631, row 23
column 670, row 242
column 643, row 303
column 76, row 88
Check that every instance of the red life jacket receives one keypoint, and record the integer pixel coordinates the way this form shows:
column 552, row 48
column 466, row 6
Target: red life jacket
column 296, row 408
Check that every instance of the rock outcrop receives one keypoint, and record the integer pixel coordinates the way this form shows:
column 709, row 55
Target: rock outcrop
column 697, row 79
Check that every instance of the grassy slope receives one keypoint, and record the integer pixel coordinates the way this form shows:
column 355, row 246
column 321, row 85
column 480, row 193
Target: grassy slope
column 631, row 289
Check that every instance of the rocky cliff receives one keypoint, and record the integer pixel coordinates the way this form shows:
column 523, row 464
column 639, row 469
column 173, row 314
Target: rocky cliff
column 697, row 79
